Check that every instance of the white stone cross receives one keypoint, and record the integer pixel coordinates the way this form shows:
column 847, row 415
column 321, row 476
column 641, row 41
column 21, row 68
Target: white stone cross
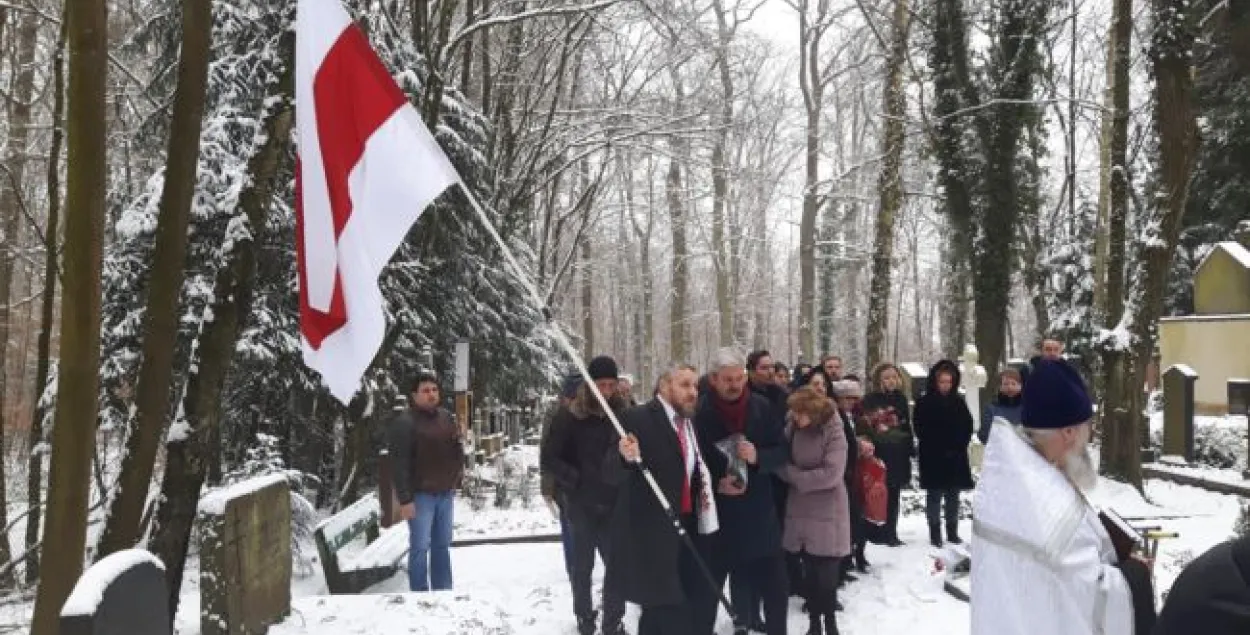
column 973, row 379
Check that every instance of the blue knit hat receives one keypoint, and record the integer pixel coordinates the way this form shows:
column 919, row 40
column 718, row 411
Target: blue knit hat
column 1055, row 397
column 568, row 386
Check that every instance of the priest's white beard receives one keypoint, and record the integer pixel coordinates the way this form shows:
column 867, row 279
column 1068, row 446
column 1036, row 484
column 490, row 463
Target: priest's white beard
column 1078, row 466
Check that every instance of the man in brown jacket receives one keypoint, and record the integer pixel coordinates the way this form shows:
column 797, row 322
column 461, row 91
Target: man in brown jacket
column 428, row 462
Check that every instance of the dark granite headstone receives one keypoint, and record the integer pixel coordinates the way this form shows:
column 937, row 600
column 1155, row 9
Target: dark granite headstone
column 1178, row 411
column 1239, row 397
column 122, row 594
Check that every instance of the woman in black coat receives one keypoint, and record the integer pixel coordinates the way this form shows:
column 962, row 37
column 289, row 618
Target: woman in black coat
column 944, row 428
column 894, row 441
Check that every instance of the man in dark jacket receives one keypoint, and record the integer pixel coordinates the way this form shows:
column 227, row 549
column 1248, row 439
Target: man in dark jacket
column 427, row 460
column 568, row 390
column 762, row 374
column 1212, row 594
column 748, row 546
column 580, row 441
column 651, row 566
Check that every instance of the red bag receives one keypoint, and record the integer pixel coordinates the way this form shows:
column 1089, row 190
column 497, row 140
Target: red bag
column 873, row 489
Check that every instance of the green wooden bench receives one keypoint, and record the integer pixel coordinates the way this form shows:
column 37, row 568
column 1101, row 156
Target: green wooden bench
column 380, row 559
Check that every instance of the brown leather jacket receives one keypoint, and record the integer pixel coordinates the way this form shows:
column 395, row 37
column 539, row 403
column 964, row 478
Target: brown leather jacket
column 426, row 452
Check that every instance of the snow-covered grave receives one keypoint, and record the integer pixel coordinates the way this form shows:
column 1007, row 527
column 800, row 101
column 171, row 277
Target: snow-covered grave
column 245, row 556
column 115, row 595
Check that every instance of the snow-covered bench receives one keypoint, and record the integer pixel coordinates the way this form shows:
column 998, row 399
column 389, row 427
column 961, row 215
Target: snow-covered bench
column 379, row 560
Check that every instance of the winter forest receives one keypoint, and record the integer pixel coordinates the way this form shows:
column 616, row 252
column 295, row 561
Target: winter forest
column 878, row 179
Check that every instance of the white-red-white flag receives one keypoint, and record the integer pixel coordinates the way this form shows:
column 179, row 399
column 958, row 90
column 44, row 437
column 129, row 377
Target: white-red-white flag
column 367, row 168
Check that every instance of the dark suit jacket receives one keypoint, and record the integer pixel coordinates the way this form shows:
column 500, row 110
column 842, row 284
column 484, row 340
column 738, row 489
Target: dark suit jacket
column 644, row 542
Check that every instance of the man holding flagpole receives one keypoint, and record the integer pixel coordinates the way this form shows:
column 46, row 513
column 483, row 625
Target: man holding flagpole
column 367, row 168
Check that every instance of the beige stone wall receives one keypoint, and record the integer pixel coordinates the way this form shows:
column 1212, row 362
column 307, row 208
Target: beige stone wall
column 1222, row 284
column 1218, row 347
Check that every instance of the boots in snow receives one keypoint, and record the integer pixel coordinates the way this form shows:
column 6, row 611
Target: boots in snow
column 952, row 534
column 586, row 623
column 935, row 535
column 861, row 562
column 615, row 629
column 831, row 624
column 813, row 624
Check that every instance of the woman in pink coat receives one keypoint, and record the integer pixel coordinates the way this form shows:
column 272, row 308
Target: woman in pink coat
column 817, row 527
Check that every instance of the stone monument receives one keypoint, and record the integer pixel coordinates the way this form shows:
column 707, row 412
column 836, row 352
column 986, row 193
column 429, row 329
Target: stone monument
column 123, row 593
column 972, row 379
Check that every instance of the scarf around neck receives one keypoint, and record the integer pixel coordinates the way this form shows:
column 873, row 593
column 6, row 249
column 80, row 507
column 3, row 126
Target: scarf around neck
column 733, row 413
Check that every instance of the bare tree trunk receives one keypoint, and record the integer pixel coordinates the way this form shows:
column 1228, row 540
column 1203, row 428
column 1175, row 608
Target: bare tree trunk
column 1175, row 117
column 11, row 204
column 720, row 178
column 1101, row 228
column 674, row 191
column 73, row 437
column 811, row 85
column 186, row 458
column 34, row 474
column 1119, row 441
column 588, row 307
column 161, row 320
column 890, row 185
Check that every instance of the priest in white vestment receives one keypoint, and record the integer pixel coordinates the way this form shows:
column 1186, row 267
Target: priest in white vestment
column 1042, row 562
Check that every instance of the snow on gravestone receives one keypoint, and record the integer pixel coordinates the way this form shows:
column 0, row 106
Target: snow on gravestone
column 1178, row 412
column 122, row 594
column 245, row 557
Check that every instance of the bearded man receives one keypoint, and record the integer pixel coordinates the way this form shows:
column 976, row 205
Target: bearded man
column 1042, row 560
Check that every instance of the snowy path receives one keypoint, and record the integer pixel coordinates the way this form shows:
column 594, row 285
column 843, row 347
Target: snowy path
column 522, row 590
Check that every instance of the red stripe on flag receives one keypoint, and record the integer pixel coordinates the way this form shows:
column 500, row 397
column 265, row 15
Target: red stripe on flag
column 354, row 95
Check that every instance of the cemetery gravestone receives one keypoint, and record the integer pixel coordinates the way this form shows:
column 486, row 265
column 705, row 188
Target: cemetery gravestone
column 1178, row 411
column 915, row 376
column 122, row 594
column 1239, row 397
column 245, row 557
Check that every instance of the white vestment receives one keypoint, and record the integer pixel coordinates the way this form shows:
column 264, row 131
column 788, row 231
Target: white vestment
column 1041, row 559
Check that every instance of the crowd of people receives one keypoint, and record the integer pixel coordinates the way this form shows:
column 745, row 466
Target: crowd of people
column 749, row 477
column 767, row 457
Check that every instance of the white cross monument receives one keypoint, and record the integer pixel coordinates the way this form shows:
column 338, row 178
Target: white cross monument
column 972, row 380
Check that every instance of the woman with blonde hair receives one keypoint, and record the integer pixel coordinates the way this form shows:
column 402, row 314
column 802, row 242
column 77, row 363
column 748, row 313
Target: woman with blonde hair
column 817, row 528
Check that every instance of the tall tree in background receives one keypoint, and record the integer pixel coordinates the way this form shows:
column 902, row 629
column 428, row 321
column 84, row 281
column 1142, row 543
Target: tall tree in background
column 890, row 184
column 1175, row 122
column 1118, row 441
column 47, row 309
column 122, row 530
column 980, row 129
column 73, row 437
column 11, row 205
column 815, row 19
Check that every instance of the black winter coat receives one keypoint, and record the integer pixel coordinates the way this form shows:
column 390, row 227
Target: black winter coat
column 854, row 497
column 644, row 543
column 749, row 528
column 944, row 428
column 897, row 446
column 776, row 397
column 573, row 453
column 1212, row 595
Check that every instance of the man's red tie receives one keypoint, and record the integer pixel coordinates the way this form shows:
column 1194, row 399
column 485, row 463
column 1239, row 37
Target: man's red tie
column 687, row 504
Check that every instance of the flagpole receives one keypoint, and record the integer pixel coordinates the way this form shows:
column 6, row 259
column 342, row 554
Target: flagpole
column 523, row 277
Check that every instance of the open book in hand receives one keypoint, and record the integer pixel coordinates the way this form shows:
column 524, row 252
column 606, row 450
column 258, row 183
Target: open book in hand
column 1123, row 537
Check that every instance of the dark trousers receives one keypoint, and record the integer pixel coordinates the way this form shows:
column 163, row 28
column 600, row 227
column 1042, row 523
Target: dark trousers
column 1141, row 587
column 690, row 616
column 821, row 574
column 590, row 534
column 935, row 500
column 764, row 581
column 892, row 508
column 566, row 541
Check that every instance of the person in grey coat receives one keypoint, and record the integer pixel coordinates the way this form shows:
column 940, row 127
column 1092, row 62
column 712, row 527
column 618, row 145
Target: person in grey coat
column 818, row 524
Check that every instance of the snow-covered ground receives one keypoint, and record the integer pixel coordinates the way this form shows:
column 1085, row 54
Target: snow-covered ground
column 522, row 589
